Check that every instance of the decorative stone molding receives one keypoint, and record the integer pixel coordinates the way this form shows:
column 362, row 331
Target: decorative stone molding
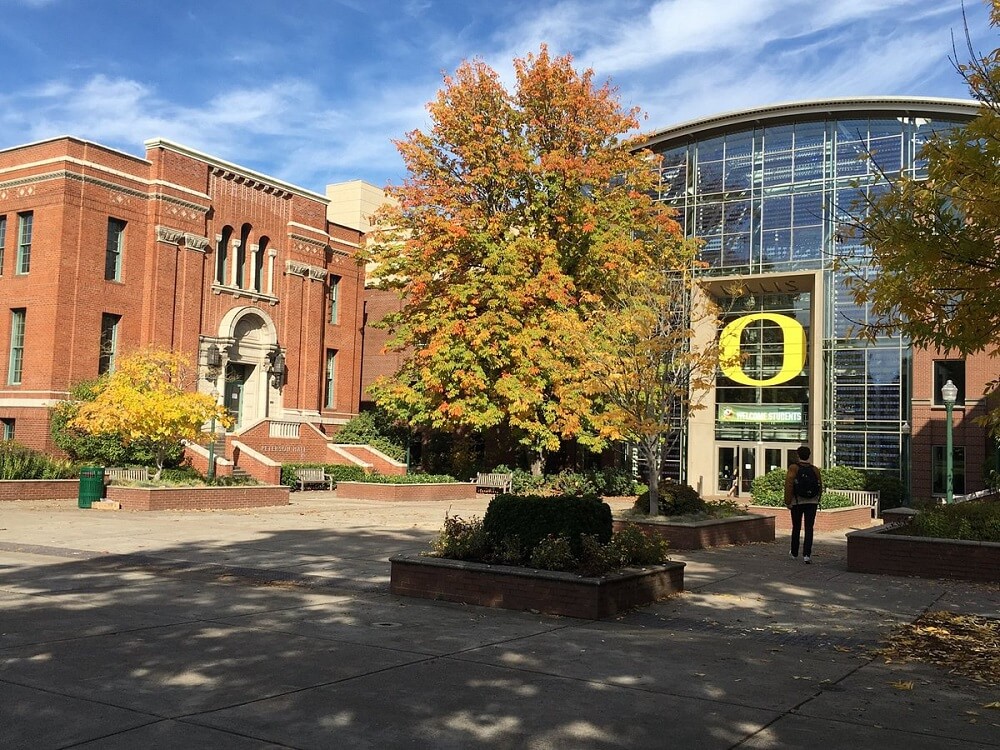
column 168, row 235
column 295, row 268
column 177, row 237
column 242, row 179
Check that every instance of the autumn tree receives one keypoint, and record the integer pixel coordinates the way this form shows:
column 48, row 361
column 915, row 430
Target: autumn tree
column 521, row 210
column 146, row 400
column 934, row 244
column 658, row 354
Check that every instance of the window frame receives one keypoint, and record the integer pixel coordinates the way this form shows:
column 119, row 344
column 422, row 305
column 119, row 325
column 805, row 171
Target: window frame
column 114, row 249
column 939, row 470
column 940, row 375
column 8, row 425
column 330, row 380
column 108, row 351
column 334, row 298
column 15, row 362
column 25, row 232
column 3, row 240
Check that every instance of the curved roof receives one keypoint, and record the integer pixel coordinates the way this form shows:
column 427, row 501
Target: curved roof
column 957, row 109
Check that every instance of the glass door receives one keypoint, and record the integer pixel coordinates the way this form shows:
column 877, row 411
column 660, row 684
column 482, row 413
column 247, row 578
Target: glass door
column 736, row 469
column 236, row 378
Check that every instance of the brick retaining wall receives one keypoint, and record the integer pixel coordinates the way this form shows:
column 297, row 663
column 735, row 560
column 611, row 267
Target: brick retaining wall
column 525, row 589
column 875, row 551
column 717, row 532
column 39, row 489
column 374, row 491
column 198, row 498
column 835, row 519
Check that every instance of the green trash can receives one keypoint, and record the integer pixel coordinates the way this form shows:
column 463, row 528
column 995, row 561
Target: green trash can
column 91, row 485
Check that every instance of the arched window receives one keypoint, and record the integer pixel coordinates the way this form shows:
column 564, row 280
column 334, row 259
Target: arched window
column 258, row 264
column 222, row 254
column 241, row 257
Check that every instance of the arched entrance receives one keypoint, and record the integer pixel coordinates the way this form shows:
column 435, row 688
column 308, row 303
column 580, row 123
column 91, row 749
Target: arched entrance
column 248, row 341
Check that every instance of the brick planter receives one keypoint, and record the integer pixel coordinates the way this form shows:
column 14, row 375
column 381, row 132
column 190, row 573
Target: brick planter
column 553, row 593
column 198, row 498
column 836, row 519
column 39, row 489
column 876, row 551
column 716, row 532
column 377, row 491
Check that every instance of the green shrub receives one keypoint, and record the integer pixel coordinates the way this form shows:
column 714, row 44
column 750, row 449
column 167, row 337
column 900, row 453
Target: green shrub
column 617, row 483
column 890, row 487
column 461, row 540
column 20, row 462
column 531, row 518
column 573, row 483
column 843, row 478
column 339, row 472
column 553, row 553
column 675, row 499
column 772, row 481
column 974, row 521
column 630, row 547
column 406, row 478
column 828, row 501
column 376, row 429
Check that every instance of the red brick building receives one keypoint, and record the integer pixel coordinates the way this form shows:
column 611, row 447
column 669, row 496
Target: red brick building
column 102, row 252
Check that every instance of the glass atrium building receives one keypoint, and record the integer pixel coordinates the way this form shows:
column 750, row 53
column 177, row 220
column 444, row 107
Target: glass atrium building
column 771, row 193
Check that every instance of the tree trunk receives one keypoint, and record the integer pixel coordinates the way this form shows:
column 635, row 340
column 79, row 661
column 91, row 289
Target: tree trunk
column 648, row 447
column 538, row 463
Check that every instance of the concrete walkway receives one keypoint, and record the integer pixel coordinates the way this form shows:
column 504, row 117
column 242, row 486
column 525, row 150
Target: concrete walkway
column 274, row 628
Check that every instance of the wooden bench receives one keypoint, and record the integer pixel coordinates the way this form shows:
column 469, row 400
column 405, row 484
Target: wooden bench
column 313, row 476
column 861, row 497
column 494, row 484
column 127, row 474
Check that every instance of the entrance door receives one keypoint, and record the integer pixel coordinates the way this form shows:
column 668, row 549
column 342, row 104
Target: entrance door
column 736, row 462
column 236, row 378
column 746, row 461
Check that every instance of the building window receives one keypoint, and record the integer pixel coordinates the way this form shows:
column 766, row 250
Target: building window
column 24, row 227
column 953, row 370
column 240, row 280
column 8, row 429
column 109, row 343
column 3, row 240
column 222, row 255
column 331, row 379
column 113, row 251
column 334, row 295
column 16, row 346
column 939, row 470
column 258, row 264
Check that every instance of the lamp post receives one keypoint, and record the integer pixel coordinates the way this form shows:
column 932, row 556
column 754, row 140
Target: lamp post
column 949, row 393
column 905, row 434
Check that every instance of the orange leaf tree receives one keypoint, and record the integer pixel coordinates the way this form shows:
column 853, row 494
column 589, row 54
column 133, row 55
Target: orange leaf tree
column 521, row 211
column 146, row 399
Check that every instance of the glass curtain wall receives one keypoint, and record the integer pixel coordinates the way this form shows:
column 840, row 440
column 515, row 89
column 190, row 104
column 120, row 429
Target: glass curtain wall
column 781, row 198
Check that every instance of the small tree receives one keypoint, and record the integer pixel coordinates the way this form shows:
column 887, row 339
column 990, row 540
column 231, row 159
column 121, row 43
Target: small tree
column 653, row 369
column 145, row 400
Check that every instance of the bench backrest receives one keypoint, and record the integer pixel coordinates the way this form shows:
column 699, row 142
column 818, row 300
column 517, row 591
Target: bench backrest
column 861, row 497
column 311, row 474
column 495, row 479
column 128, row 474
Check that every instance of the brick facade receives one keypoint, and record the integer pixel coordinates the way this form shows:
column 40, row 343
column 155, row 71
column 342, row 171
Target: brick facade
column 892, row 554
column 182, row 212
column 706, row 534
column 929, row 425
column 197, row 498
column 39, row 489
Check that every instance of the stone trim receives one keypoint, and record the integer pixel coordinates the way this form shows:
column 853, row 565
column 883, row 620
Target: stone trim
column 313, row 273
column 178, row 237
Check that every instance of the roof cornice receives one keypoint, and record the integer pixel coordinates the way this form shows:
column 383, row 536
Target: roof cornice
column 898, row 105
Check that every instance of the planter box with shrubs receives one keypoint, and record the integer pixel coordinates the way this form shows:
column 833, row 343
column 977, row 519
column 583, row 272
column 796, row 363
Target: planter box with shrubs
column 687, row 521
column 954, row 541
column 556, row 555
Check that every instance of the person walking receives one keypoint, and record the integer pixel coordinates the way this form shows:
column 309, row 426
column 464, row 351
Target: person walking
column 803, row 488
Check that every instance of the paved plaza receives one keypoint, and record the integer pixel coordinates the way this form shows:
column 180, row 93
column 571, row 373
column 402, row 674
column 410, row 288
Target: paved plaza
column 274, row 628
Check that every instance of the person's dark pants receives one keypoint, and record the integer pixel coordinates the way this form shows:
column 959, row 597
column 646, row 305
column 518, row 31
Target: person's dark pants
column 808, row 512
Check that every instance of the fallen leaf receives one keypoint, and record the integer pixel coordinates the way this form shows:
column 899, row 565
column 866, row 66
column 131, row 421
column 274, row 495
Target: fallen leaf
column 902, row 685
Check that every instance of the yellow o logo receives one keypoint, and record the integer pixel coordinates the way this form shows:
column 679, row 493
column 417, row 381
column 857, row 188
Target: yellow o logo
column 794, row 349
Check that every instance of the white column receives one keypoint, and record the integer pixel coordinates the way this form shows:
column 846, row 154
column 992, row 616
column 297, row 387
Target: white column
column 271, row 255
column 233, row 262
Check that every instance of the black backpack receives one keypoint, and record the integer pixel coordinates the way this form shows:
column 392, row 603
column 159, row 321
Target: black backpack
column 806, row 482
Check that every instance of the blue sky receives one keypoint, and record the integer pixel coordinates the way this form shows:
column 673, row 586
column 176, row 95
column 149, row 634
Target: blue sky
column 314, row 91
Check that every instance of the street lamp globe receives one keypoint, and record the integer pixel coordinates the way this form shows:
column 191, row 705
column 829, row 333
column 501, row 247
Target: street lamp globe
column 949, row 393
